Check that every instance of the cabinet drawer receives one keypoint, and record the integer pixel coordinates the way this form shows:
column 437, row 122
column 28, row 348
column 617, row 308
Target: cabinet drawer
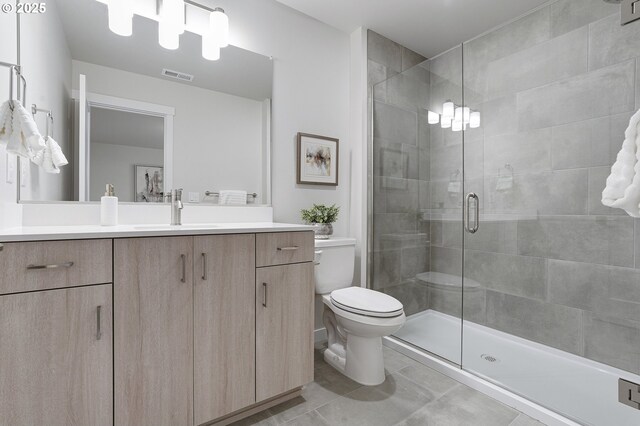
column 279, row 248
column 54, row 264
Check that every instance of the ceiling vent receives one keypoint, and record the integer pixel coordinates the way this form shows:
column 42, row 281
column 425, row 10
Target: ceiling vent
column 177, row 75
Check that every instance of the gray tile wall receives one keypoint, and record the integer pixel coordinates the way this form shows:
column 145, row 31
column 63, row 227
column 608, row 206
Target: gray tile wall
column 556, row 90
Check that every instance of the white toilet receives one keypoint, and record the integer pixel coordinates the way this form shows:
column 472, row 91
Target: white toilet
column 356, row 318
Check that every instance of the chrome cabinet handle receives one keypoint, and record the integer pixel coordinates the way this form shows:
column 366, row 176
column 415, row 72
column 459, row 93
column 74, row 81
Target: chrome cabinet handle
column 291, row 248
column 467, row 213
column 184, row 268
column 98, row 322
column 264, row 294
column 204, row 266
column 52, row 266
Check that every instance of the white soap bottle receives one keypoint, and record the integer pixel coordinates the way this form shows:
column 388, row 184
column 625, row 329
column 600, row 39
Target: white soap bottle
column 109, row 207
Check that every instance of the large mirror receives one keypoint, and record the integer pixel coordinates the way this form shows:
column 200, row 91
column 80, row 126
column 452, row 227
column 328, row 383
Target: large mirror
column 128, row 112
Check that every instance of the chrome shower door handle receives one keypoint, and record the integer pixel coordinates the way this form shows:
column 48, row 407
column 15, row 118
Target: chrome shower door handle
column 467, row 213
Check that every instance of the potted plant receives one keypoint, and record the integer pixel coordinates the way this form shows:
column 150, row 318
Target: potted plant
column 321, row 217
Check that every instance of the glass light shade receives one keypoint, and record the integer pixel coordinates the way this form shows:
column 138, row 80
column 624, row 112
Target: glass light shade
column 445, row 124
column 219, row 25
column 168, row 36
column 432, row 117
column 210, row 48
column 474, row 120
column 456, row 126
column 447, row 110
column 120, row 17
column 171, row 23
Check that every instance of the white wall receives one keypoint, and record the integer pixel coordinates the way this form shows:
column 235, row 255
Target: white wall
column 46, row 62
column 114, row 164
column 7, row 54
column 216, row 137
column 310, row 94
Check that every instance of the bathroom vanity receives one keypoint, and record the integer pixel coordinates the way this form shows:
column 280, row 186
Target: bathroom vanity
column 145, row 326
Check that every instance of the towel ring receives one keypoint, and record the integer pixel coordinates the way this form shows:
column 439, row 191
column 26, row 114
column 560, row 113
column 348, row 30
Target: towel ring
column 35, row 110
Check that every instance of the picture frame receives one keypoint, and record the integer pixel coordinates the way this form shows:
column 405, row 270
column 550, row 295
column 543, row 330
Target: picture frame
column 317, row 160
column 148, row 184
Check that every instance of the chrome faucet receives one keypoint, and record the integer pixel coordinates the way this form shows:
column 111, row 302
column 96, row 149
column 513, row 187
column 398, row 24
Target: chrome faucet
column 176, row 206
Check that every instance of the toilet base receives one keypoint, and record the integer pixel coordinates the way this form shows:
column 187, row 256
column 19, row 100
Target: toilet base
column 364, row 362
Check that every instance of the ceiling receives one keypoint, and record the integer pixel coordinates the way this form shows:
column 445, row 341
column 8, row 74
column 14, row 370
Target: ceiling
column 238, row 72
column 428, row 27
column 126, row 128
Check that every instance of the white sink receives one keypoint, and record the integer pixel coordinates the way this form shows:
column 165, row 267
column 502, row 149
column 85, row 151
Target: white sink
column 185, row 226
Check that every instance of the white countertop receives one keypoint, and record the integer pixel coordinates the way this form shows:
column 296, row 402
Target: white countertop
column 84, row 232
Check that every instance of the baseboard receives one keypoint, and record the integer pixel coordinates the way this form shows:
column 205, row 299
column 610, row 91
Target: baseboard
column 256, row 408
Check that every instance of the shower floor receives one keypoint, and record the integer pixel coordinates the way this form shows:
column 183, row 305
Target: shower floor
column 580, row 389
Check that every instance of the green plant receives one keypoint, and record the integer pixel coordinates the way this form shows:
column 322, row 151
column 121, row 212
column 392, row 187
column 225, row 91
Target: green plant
column 320, row 213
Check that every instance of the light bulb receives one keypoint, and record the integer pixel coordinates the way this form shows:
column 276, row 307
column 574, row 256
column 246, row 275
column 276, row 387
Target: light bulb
column 210, row 48
column 432, row 117
column 120, row 17
column 447, row 110
column 219, row 27
column 445, row 124
column 168, row 37
column 171, row 23
column 466, row 115
column 474, row 120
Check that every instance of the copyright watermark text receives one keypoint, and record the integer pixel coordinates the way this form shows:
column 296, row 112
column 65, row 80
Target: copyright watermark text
column 23, row 7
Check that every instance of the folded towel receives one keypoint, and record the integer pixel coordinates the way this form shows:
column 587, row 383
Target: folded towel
column 233, row 197
column 623, row 184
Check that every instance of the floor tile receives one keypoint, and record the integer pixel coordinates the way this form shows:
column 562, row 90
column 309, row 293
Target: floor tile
column 524, row 420
column 310, row 419
column 429, row 378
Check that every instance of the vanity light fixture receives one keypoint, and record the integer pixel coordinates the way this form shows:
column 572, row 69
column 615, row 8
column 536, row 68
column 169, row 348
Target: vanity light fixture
column 457, row 117
column 174, row 17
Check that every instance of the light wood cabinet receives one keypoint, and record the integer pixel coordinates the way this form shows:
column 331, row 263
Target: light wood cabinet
column 284, row 328
column 224, row 318
column 56, row 357
column 153, row 323
column 280, row 248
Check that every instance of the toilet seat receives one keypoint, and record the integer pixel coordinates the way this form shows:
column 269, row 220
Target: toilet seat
column 363, row 301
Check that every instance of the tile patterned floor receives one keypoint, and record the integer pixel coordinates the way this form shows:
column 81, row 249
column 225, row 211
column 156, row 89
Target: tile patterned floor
column 412, row 395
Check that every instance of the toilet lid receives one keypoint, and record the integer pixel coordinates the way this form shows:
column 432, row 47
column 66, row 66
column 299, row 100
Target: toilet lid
column 366, row 302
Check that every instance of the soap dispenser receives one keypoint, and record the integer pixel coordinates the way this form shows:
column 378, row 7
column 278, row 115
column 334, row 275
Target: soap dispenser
column 109, row 207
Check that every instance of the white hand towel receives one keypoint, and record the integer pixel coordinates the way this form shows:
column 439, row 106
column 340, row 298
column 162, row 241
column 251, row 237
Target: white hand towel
column 25, row 139
column 6, row 124
column 623, row 184
column 233, row 197
column 51, row 158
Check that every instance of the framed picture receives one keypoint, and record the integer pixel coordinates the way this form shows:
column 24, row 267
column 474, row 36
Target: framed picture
column 317, row 160
column 149, row 185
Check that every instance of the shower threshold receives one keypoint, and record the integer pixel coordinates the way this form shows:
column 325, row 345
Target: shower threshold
column 583, row 390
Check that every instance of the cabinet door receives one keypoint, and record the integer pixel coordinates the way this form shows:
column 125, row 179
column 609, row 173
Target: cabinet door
column 153, row 322
column 284, row 328
column 56, row 357
column 224, row 318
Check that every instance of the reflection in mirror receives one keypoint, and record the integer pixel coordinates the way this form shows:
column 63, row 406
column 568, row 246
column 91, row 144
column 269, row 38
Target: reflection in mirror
column 131, row 113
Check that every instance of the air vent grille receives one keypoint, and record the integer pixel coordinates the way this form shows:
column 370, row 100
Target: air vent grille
column 177, row 75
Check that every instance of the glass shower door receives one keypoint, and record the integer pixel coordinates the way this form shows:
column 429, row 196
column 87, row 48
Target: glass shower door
column 551, row 279
column 417, row 201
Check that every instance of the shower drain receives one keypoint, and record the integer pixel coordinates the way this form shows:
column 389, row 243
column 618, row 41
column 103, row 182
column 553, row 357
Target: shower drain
column 489, row 358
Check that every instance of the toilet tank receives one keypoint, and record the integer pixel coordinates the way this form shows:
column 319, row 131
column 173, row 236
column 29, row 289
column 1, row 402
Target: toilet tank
column 335, row 259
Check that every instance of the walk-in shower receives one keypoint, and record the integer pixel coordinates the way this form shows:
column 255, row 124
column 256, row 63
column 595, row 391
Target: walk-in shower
column 512, row 135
